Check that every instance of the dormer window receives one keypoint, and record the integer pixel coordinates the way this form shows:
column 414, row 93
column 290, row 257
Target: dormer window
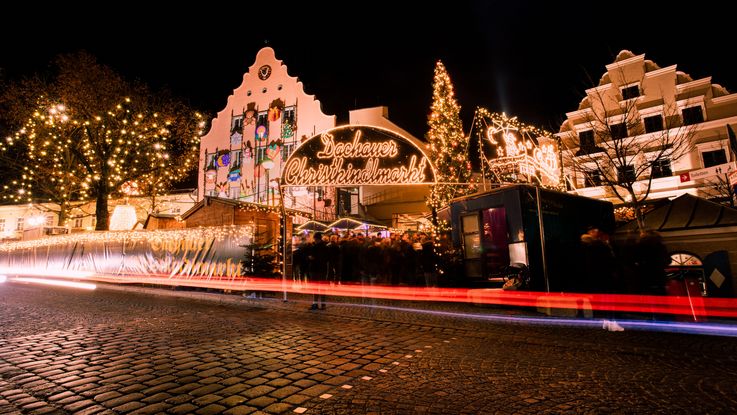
column 236, row 124
column 626, row 174
column 661, row 168
column 714, row 158
column 592, row 178
column 631, row 92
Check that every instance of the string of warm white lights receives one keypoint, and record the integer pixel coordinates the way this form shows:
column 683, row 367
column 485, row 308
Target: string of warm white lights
column 448, row 143
column 520, row 152
column 46, row 152
column 71, row 156
column 253, row 207
column 165, row 236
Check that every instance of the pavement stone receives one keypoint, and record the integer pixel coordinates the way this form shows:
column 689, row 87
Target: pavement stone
column 240, row 410
column 211, row 409
column 234, row 400
column 184, row 408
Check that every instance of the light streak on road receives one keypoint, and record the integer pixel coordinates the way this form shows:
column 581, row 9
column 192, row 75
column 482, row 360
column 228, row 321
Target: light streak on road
column 713, row 329
column 62, row 273
column 697, row 308
column 58, row 283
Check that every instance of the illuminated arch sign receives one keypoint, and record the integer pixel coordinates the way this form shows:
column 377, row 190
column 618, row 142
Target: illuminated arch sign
column 357, row 155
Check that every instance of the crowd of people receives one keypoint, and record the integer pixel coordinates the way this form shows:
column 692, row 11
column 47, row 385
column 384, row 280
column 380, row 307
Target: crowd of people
column 398, row 258
column 635, row 267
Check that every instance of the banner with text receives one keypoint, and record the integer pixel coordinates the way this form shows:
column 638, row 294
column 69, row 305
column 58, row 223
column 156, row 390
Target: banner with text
column 357, row 155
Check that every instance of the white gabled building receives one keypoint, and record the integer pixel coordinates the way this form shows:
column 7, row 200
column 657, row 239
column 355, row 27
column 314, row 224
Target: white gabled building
column 657, row 98
column 264, row 120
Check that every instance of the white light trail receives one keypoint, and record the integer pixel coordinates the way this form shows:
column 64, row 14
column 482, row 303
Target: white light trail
column 70, row 284
column 46, row 272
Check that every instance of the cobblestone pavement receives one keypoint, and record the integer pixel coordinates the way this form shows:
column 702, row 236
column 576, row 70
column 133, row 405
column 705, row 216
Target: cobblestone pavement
column 127, row 351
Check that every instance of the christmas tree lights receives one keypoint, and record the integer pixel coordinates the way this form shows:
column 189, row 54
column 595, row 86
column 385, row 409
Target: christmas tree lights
column 448, row 143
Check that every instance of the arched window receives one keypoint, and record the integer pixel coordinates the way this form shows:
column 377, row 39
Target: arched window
column 685, row 259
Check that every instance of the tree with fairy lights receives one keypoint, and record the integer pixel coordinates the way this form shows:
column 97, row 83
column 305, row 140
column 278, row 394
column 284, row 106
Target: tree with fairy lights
column 41, row 154
column 110, row 132
column 179, row 154
column 448, row 143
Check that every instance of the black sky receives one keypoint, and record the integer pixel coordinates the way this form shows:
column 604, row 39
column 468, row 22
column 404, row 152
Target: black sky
column 530, row 60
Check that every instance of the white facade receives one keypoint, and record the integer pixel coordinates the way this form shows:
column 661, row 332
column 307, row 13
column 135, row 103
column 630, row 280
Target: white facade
column 265, row 119
column 15, row 220
column 658, row 95
column 30, row 221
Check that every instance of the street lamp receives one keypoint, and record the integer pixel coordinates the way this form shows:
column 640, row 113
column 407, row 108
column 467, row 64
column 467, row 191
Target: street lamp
column 268, row 164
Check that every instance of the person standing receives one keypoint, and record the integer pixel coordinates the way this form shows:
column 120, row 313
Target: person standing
column 319, row 259
column 651, row 259
column 599, row 271
column 427, row 260
column 334, row 260
column 300, row 261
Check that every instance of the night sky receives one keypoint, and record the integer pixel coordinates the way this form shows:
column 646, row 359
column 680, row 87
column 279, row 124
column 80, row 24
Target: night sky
column 533, row 61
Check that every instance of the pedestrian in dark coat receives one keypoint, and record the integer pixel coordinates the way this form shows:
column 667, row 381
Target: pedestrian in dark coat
column 651, row 258
column 427, row 261
column 319, row 258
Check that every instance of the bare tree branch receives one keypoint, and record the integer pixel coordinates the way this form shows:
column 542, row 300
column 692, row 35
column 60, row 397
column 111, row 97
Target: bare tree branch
column 622, row 155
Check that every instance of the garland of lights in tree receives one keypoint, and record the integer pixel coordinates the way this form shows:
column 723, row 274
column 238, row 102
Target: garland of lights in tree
column 49, row 160
column 68, row 152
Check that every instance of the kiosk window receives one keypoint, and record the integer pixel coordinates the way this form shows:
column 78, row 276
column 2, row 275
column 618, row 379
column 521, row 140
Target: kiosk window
column 471, row 237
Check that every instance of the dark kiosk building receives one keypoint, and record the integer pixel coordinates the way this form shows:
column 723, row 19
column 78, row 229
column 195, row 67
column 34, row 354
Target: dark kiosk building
column 501, row 227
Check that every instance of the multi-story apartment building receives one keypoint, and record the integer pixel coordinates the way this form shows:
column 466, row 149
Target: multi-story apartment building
column 655, row 128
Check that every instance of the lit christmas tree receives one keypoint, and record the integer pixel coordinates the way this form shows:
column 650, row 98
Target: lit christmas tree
column 448, row 144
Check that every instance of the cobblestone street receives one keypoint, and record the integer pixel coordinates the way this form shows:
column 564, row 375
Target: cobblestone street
column 131, row 351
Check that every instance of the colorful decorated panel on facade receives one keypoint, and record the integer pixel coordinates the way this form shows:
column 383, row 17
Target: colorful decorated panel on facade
column 357, row 155
column 266, row 118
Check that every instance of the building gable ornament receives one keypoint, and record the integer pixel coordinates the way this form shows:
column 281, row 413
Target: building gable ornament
column 264, row 72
